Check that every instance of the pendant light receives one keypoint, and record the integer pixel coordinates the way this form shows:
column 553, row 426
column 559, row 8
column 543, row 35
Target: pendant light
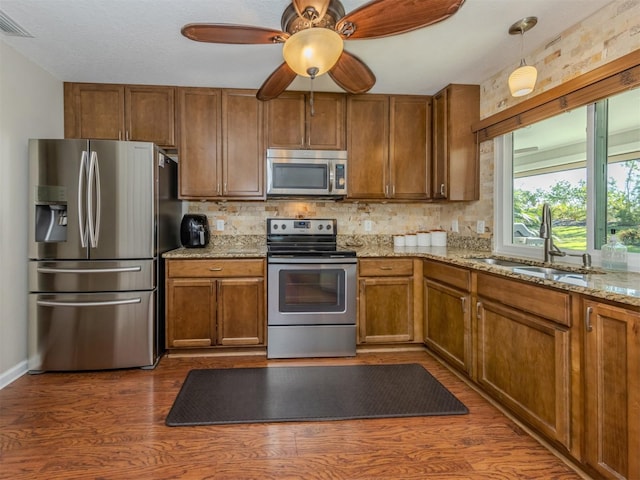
column 523, row 79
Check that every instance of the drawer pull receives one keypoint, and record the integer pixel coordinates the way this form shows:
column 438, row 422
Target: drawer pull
column 215, row 269
column 386, row 268
column 588, row 324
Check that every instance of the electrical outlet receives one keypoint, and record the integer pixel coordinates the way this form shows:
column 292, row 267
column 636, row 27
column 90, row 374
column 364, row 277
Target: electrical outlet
column 454, row 226
column 220, row 225
column 480, row 226
column 368, row 225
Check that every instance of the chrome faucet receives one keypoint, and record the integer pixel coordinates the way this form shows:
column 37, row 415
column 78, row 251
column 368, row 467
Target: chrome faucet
column 550, row 249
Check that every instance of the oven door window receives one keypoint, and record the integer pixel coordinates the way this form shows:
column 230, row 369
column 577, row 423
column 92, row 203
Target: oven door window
column 300, row 176
column 312, row 290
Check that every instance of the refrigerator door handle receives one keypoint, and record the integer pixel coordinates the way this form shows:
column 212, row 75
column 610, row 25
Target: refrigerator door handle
column 94, row 182
column 82, row 177
column 89, row 270
column 53, row 303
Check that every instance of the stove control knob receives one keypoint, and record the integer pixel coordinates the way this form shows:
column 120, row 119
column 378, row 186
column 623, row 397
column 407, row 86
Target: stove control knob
column 328, row 226
column 275, row 226
column 284, row 227
column 320, row 227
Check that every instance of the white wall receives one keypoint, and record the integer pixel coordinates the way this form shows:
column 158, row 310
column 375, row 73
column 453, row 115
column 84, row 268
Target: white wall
column 31, row 106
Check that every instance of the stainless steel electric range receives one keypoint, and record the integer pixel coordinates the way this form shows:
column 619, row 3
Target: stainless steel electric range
column 311, row 290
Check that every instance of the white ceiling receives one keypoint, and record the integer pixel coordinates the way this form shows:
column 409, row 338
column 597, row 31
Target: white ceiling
column 139, row 41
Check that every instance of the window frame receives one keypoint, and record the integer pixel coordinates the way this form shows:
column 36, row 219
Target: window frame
column 503, row 201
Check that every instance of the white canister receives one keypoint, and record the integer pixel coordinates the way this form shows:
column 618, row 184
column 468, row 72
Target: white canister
column 424, row 239
column 398, row 241
column 439, row 238
column 411, row 240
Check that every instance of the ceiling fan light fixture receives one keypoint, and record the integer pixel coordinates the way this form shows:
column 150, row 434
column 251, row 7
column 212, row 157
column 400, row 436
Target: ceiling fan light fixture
column 312, row 50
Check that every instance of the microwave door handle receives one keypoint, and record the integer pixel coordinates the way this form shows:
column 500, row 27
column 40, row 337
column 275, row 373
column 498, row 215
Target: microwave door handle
column 332, row 176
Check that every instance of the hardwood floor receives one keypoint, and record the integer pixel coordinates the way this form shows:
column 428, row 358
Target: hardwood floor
column 110, row 425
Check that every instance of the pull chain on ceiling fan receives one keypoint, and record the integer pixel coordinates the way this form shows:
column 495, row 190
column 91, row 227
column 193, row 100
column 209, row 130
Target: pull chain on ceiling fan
column 313, row 32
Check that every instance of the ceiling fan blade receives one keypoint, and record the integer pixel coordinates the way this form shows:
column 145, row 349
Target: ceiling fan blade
column 382, row 18
column 277, row 82
column 238, row 34
column 351, row 74
column 320, row 7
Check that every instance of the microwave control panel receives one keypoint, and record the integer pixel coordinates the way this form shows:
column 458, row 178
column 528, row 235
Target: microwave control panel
column 341, row 177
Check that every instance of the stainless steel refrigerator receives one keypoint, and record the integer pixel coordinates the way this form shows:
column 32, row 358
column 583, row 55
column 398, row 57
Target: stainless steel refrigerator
column 101, row 214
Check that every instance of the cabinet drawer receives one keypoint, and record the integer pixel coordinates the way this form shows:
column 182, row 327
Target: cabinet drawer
column 541, row 301
column 382, row 267
column 454, row 276
column 215, row 268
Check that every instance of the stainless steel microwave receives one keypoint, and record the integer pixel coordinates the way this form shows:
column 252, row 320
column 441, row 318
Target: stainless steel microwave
column 306, row 173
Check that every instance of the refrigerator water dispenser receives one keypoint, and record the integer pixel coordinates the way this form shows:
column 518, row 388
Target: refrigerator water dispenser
column 51, row 223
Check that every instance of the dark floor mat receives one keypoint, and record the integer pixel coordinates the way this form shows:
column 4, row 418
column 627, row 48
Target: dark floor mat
column 287, row 394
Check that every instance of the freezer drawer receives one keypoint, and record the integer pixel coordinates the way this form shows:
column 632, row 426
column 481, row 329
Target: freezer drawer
column 92, row 276
column 91, row 331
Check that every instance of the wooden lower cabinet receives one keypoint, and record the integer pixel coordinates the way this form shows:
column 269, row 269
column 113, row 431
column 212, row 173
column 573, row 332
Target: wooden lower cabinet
column 447, row 313
column 523, row 356
column 386, row 301
column 612, row 390
column 215, row 303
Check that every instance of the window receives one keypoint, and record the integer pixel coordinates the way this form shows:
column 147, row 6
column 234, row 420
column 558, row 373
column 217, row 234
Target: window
column 585, row 164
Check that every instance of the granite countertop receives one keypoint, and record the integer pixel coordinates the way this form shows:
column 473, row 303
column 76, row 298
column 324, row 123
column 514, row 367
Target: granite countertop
column 241, row 246
column 623, row 287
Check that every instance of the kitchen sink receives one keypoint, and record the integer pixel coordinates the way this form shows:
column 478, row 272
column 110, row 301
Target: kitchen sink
column 543, row 270
column 498, row 262
column 549, row 273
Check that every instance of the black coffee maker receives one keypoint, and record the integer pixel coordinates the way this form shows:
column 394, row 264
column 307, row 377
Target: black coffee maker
column 194, row 231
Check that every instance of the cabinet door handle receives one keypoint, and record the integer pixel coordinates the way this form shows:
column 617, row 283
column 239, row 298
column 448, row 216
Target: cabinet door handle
column 463, row 300
column 386, row 190
column 479, row 310
column 215, row 269
column 442, row 189
column 588, row 325
column 126, row 137
column 393, row 190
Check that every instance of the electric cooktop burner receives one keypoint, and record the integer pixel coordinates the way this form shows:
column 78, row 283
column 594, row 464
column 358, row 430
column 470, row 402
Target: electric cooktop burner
column 303, row 238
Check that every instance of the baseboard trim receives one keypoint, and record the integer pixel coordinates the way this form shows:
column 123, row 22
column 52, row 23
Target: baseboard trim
column 14, row 373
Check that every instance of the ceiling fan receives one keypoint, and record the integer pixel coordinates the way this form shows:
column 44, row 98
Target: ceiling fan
column 313, row 32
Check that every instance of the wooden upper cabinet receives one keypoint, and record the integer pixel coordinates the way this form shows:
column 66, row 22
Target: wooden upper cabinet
column 150, row 114
column 120, row 112
column 221, row 144
column 200, row 142
column 389, row 146
column 292, row 122
column 455, row 165
column 368, row 146
column 94, row 111
column 243, row 147
column 409, row 147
